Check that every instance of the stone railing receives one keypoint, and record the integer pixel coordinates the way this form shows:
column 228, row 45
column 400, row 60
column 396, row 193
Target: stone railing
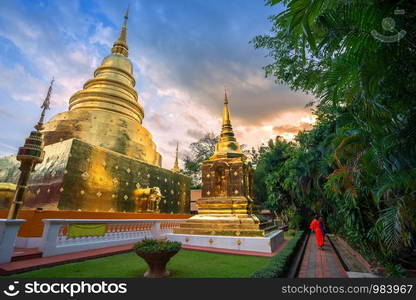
column 55, row 238
column 8, row 233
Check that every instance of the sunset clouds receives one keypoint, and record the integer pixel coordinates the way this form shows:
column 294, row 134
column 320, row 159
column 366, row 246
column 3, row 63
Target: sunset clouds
column 184, row 53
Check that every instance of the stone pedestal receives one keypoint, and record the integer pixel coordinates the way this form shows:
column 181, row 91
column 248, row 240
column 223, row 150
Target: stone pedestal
column 8, row 233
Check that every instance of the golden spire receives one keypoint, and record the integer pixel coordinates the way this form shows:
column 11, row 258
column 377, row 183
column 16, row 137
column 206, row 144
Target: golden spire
column 227, row 142
column 176, row 164
column 120, row 46
column 226, row 114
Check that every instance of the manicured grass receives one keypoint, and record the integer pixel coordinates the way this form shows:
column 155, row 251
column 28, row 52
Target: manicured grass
column 280, row 263
column 290, row 234
column 185, row 264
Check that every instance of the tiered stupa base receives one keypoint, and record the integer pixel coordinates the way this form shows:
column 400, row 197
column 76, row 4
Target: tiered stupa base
column 242, row 232
column 226, row 225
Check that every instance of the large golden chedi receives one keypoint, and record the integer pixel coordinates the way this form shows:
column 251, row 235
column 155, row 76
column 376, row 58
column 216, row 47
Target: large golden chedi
column 106, row 112
column 98, row 156
column 226, row 207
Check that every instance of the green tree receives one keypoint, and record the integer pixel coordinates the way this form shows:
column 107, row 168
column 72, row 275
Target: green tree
column 270, row 158
column 358, row 163
column 201, row 150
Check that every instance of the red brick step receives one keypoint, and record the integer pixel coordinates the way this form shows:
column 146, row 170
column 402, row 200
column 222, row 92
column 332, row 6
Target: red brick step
column 25, row 253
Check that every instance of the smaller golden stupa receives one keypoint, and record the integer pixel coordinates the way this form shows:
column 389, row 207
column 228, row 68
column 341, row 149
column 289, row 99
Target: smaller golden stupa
column 226, row 206
column 176, row 168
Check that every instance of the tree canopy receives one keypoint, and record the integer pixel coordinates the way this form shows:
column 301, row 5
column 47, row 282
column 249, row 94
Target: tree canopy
column 201, row 150
column 357, row 166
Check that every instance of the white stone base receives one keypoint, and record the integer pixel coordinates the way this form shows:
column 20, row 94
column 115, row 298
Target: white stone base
column 267, row 244
column 31, row 242
column 8, row 233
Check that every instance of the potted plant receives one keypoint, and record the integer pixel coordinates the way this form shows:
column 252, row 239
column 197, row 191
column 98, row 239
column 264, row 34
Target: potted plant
column 156, row 253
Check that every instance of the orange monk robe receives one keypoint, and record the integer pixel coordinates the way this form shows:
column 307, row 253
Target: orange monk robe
column 315, row 226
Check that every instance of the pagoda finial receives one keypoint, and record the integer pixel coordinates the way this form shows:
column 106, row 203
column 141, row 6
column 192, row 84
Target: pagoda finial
column 225, row 95
column 227, row 142
column 226, row 114
column 45, row 105
column 126, row 15
column 120, row 46
column 176, row 164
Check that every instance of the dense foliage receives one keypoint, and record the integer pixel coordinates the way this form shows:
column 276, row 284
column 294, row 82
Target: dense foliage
column 156, row 246
column 280, row 263
column 357, row 166
column 201, row 150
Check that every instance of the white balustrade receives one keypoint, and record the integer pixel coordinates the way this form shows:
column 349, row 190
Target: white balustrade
column 8, row 233
column 55, row 238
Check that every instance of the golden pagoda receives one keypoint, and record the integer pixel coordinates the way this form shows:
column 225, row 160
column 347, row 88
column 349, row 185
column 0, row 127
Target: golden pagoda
column 226, row 206
column 98, row 156
column 106, row 112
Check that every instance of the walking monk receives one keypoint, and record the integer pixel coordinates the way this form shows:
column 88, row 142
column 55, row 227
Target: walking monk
column 319, row 235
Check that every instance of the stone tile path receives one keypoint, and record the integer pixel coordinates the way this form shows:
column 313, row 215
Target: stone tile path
column 320, row 263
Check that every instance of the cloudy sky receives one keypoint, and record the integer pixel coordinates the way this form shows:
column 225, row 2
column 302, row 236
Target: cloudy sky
column 184, row 52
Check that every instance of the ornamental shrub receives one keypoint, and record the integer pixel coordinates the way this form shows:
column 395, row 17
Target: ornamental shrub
column 156, row 246
column 279, row 264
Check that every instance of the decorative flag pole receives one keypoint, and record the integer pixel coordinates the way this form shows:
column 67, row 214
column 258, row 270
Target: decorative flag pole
column 29, row 155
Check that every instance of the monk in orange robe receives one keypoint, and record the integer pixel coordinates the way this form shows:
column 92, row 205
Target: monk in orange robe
column 319, row 235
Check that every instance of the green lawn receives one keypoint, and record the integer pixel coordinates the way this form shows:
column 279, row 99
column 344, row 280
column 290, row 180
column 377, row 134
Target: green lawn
column 289, row 235
column 185, row 264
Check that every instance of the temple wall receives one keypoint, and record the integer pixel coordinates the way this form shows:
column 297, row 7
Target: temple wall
column 33, row 227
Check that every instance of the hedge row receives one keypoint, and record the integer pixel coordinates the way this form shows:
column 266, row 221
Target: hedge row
column 280, row 263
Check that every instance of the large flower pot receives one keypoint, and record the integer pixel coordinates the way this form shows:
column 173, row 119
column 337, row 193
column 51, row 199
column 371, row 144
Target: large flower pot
column 157, row 263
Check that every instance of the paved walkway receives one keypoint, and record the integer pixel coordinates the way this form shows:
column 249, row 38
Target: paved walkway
column 320, row 263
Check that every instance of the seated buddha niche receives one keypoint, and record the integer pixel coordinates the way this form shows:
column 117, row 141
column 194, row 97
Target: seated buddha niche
column 220, row 182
